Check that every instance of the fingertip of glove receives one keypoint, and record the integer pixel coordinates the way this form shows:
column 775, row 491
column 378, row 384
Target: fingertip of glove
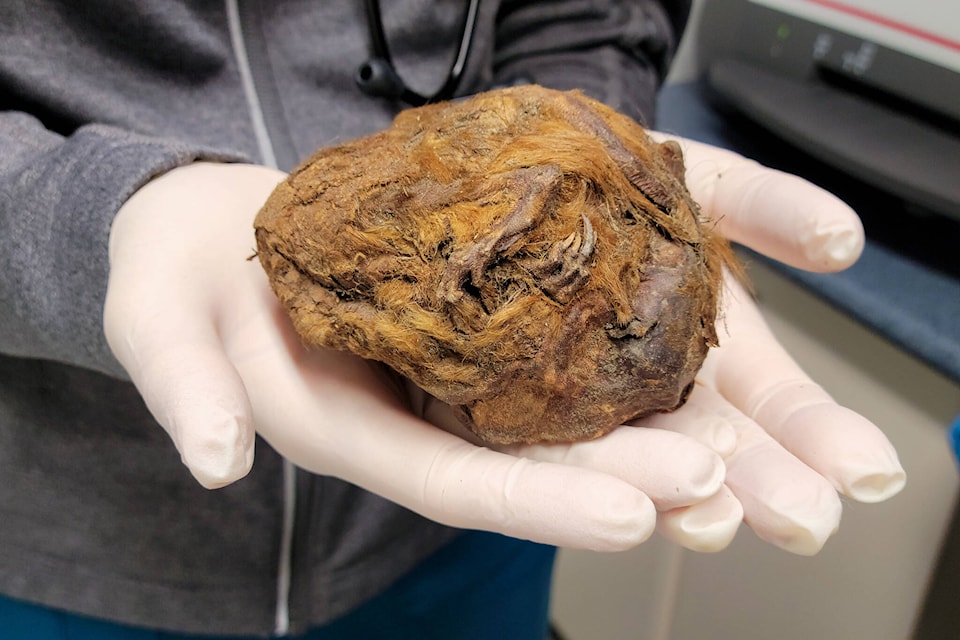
column 722, row 438
column 707, row 527
column 710, row 539
column 802, row 541
column 714, row 474
column 848, row 450
column 875, row 476
column 705, row 478
column 218, row 456
column 834, row 249
column 876, row 487
column 804, row 533
column 216, row 472
column 622, row 524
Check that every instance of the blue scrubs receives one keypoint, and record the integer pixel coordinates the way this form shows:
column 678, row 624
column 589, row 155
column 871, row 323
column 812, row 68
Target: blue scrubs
column 481, row 586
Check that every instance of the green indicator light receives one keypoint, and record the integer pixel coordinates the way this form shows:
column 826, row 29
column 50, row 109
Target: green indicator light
column 783, row 31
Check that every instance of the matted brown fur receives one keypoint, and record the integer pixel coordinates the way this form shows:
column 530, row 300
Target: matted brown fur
column 527, row 255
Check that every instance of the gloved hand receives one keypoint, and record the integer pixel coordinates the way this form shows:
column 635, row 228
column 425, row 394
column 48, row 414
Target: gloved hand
column 794, row 446
column 788, row 447
column 201, row 335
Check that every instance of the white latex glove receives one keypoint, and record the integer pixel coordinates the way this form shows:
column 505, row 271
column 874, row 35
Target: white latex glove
column 195, row 324
column 794, row 446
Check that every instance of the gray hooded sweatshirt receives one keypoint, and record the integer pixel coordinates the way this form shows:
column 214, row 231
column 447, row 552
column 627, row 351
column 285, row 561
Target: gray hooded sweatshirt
column 97, row 514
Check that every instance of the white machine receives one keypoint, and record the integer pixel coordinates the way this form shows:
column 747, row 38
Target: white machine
column 869, row 86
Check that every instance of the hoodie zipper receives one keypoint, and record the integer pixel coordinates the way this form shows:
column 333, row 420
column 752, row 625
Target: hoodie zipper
column 269, row 158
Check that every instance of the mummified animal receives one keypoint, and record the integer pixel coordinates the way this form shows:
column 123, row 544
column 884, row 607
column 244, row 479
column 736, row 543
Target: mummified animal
column 529, row 256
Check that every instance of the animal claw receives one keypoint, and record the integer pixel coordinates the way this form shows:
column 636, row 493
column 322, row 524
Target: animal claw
column 590, row 237
column 564, row 270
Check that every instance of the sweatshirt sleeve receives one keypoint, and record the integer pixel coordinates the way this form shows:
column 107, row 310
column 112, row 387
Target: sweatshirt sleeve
column 58, row 197
column 615, row 51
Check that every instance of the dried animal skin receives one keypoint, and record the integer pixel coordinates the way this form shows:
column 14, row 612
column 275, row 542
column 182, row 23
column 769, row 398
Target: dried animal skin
column 529, row 256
